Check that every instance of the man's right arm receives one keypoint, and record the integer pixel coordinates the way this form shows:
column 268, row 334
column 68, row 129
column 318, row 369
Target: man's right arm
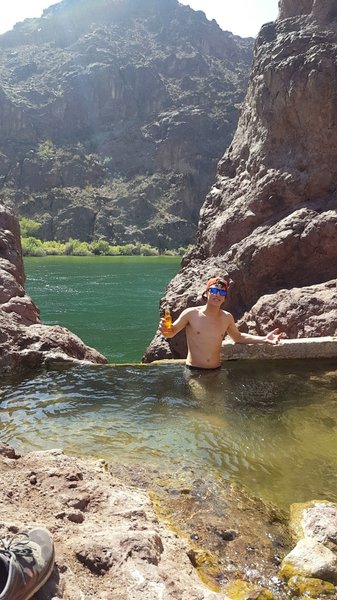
column 177, row 326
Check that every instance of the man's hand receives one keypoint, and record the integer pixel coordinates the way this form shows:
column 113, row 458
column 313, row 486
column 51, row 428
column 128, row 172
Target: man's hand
column 274, row 336
column 165, row 331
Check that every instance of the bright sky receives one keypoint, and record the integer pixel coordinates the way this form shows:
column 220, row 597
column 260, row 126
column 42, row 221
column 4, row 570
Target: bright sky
column 14, row 11
column 242, row 17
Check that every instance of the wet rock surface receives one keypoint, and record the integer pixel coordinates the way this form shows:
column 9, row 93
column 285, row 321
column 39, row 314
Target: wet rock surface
column 116, row 539
column 232, row 536
column 125, row 532
column 270, row 221
column 25, row 343
column 311, row 566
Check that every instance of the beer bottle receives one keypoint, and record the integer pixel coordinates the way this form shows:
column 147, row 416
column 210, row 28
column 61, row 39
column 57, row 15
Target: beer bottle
column 167, row 318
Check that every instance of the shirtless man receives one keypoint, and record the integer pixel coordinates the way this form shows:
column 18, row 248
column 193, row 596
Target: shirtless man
column 207, row 325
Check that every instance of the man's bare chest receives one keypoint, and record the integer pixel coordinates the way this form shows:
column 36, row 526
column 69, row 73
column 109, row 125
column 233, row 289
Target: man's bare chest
column 207, row 329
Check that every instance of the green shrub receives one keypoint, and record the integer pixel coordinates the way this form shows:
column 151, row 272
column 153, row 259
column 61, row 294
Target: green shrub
column 31, row 246
column 128, row 249
column 115, row 250
column 54, row 248
column 46, row 149
column 77, row 248
column 28, row 227
column 100, row 247
column 182, row 251
column 83, row 249
column 147, row 250
column 169, row 252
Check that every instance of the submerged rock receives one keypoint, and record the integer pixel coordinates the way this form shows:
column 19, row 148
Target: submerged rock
column 311, row 559
column 231, row 535
column 309, row 587
column 311, row 567
column 241, row 590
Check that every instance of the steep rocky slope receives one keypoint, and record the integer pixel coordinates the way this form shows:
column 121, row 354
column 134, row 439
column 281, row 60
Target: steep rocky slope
column 24, row 341
column 114, row 115
column 270, row 221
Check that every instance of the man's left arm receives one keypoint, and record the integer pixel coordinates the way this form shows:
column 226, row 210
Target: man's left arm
column 247, row 338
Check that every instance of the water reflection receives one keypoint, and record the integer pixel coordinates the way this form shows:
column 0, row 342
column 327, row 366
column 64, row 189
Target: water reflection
column 271, row 426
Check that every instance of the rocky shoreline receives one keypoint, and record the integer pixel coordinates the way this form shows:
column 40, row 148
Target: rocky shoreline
column 25, row 343
column 125, row 533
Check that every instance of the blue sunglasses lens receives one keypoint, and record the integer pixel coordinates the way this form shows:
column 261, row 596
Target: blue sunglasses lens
column 215, row 290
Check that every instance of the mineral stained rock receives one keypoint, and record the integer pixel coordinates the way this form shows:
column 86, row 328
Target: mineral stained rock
column 111, row 542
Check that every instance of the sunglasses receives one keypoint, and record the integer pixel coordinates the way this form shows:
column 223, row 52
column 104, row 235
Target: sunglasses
column 215, row 290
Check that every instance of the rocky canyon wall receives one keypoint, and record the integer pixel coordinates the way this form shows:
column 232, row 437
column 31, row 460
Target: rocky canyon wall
column 119, row 111
column 269, row 223
column 24, row 341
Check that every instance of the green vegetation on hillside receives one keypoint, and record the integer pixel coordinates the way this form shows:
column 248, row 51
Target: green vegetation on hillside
column 33, row 246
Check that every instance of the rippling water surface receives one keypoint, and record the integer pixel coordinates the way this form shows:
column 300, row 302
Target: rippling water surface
column 110, row 302
column 270, row 426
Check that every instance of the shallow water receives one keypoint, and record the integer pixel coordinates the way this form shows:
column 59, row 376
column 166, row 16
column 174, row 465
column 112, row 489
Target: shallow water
column 271, row 426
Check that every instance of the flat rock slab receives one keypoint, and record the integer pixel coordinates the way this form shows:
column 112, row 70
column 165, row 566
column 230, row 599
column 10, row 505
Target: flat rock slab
column 320, row 347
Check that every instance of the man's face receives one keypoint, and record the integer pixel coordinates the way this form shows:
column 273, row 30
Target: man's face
column 216, row 293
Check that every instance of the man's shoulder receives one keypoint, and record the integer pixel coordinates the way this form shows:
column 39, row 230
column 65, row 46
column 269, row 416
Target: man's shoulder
column 190, row 309
column 227, row 315
column 188, row 312
column 195, row 308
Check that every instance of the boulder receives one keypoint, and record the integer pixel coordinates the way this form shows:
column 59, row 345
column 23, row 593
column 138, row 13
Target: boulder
column 311, row 567
column 310, row 559
column 307, row 312
column 315, row 520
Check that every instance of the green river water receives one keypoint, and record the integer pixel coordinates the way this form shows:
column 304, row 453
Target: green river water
column 271, row 426
column 111, row 303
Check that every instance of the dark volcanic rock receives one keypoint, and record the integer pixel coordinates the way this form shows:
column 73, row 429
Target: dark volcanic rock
column 270, row 220
column 122, row 107
column 24, row 341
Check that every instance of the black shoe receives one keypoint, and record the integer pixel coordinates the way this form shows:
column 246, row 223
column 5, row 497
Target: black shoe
column 26, row 562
